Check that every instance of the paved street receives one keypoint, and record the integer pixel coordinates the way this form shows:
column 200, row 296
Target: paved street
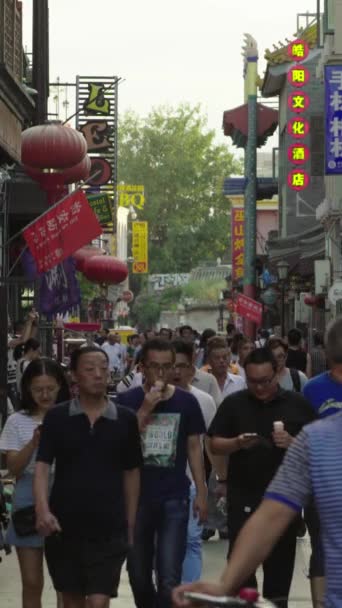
column 213, row 562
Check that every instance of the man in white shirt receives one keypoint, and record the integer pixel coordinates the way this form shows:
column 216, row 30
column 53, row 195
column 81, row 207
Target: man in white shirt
column 113, row 350
column 184, row 370
column 219, row 359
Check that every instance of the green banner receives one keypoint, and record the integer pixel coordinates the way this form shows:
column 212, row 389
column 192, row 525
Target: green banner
column 100, row 204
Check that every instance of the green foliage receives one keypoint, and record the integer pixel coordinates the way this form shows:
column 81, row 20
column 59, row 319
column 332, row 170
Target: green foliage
column 89, row 290
column 146, row 310
column 175, row 157
column 204, row 291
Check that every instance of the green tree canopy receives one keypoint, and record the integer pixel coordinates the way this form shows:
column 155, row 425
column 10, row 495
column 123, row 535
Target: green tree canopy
column 173, row 154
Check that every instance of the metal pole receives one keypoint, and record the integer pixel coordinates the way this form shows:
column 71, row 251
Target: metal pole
column 249, row 282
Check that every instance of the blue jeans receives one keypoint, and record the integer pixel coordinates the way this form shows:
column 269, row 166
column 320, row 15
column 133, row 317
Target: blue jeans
column 160, row 543
column 192, row 565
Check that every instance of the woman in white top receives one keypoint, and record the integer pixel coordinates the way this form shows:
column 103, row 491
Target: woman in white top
column 43, row 384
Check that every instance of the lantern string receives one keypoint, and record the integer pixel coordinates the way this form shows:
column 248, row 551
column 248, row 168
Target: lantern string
column 107, row 88
column 12, row 238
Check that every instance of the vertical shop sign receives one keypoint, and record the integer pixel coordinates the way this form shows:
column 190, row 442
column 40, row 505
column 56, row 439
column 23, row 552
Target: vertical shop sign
column 333, row 119
column 140, row 247
column 298, row 127
column 238, row 243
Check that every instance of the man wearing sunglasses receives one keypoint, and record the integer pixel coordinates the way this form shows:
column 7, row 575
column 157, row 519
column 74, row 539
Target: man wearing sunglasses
column 244, row 428
column 171, row 424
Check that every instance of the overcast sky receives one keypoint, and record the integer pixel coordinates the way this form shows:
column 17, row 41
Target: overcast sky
column 168, row 52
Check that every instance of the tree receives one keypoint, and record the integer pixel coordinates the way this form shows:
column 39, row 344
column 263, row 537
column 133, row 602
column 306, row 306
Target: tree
column 175, row 157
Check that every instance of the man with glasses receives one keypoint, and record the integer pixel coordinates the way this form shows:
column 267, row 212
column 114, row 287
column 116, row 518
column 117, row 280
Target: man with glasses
column 245, row 429
column 171, row 425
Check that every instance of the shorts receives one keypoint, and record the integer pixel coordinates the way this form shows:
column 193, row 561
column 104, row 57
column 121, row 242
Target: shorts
column 85, row 566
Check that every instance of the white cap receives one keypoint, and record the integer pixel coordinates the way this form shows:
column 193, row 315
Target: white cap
column 278, row 425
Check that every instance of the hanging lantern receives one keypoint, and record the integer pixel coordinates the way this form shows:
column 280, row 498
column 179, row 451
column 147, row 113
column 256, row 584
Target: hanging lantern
column 105, row 270
column 52, row 146
column 71, row 175
column 85, row 253
column 79, row 172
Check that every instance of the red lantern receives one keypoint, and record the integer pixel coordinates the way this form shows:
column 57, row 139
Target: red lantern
column 310, row 300
column 105, row 270
column 52, row 146
column 79, row 172
column 84, row 254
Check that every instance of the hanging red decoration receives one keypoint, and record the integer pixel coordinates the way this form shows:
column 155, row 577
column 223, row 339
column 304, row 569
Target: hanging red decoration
column 84, row 254
column 105, row 270
column 79, row 172
column 52, row 146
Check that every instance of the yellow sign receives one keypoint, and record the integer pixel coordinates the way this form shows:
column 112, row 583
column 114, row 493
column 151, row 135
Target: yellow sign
column 140, row 247
column 130, row 195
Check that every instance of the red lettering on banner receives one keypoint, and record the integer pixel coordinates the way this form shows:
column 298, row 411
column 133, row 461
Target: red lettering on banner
column 58, row 233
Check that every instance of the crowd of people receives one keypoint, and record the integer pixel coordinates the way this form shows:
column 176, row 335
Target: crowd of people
column 203, row 435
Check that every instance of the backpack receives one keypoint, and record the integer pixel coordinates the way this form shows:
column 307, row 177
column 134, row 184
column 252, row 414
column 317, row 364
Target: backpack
column 295, row 377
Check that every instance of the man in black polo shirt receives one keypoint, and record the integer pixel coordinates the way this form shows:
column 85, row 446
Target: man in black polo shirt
column 95, row 446
column 244, row 427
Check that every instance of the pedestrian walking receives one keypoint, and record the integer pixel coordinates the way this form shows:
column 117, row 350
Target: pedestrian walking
column 43, row 384
column 182, row 376
column 255, row 427
column 171, row 424
column 297, row 358
column 31, row 351
column 289, row 378
column 89, row 519
column 219, row 356
column 318, row 356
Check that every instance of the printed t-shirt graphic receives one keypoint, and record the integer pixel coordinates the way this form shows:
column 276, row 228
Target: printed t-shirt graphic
column 159, row 440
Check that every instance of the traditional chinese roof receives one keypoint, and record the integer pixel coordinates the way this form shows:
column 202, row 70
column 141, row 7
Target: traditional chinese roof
column 235, row 124
column 299, row 250
column 278, row 62
column 280, row 55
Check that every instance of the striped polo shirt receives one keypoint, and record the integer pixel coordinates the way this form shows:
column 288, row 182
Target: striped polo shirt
column 313, row 467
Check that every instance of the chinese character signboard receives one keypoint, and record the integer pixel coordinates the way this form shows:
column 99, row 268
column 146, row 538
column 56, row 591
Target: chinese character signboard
column 298, row 50
column 131, row 196
column 97, row 115
column 59, row 289
column 140, row 247
column 333, row 119
column 298, row 127
column 249, row 309
column 59, row 232
column 238, row 243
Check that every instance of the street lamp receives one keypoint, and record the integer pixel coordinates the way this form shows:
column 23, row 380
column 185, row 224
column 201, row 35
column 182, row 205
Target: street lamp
column 283, row 272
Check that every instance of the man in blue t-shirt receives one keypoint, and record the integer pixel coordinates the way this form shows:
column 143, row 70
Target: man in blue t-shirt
column 170, row 423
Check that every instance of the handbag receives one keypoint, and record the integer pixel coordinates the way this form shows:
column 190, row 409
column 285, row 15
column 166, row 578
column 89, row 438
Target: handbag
column 24, row 521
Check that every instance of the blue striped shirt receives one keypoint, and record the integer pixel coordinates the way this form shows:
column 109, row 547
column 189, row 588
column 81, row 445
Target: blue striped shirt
column 313, row 467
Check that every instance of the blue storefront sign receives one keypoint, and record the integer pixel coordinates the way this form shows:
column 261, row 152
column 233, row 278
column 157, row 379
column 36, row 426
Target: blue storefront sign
column 333, row 119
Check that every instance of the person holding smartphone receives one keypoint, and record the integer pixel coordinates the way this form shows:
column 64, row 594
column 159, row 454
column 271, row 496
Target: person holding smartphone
column 255, row 427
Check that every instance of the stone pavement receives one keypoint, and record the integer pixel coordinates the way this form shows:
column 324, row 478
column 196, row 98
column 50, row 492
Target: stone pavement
column 214, row 556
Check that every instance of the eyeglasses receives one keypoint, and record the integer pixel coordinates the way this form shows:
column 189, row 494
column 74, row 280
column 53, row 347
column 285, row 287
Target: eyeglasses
column 181, row 366
column 157, row 367
column 261, row 381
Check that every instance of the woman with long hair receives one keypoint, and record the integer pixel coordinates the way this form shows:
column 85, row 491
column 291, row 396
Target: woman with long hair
column 42, row 386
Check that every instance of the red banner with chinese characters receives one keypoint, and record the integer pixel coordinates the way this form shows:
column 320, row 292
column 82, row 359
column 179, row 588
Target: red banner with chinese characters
column 249, row 308
column 58, row 233
column 238, row 243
